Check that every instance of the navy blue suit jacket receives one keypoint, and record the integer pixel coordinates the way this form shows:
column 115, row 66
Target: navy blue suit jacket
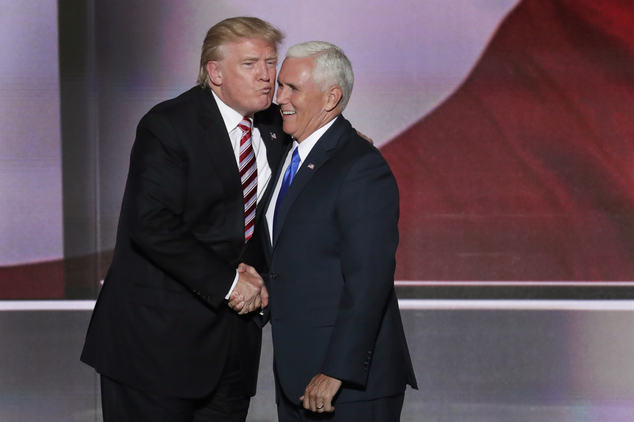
column 333, row 308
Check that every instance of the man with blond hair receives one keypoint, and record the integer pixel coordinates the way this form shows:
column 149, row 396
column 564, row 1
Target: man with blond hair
column 162, row 336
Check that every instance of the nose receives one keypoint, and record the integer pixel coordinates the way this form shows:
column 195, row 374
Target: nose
column 281, row 95
column 263, row 71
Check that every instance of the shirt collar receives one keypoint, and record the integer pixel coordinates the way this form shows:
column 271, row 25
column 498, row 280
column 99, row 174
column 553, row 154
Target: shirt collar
column 230, row 117
column 304, row 148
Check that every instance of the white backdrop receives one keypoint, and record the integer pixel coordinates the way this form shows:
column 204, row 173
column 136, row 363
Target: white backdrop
column 408, row 56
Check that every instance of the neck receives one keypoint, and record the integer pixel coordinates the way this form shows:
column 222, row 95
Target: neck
column 323, row 121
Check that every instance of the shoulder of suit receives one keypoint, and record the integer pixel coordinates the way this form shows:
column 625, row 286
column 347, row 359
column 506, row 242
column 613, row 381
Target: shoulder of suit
column 356, row 142
column 183, row 101
column 183, row 106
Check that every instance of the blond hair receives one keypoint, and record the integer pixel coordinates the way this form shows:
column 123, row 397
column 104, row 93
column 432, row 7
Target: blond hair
column 232, row 30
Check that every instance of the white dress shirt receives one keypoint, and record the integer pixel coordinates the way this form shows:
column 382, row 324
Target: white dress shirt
column 232, row 119
column 303, row 149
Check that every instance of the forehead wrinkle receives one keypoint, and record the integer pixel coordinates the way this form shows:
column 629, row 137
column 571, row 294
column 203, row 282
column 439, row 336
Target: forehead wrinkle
column 254, row 57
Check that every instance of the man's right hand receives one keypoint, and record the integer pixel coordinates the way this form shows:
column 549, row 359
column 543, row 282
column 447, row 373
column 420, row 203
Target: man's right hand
column 250, row 292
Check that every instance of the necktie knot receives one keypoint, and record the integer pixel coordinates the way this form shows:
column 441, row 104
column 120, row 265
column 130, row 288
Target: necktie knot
column 245, row 126
column 294, row 164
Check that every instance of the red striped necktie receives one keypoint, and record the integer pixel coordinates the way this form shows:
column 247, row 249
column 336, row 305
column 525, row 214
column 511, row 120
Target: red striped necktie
column 249, row 177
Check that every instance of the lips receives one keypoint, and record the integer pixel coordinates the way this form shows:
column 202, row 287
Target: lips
column 288, row 113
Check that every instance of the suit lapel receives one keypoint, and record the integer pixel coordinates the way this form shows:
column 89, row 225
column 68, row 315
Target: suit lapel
column 275, row 175
column 320, row 154
column 218, row 145
column 216, row 142
column 277, row 144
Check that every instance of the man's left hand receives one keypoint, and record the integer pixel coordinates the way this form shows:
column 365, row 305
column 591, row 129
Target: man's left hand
column 319, row 393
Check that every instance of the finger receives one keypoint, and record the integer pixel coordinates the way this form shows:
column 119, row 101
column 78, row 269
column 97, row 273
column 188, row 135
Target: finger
column 313, row 400
column 252, row 270
column 244, row 268
column 320, row 407
column 235, row 299
column 249, row 307
column 237, row 306
column 305, row 401
column 236, row 295
column 264, row 295
column 245, row 310
column 254, row 303
column 328, row 407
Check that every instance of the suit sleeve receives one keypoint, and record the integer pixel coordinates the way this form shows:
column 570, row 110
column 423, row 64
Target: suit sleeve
column 157, row 182
column 367, row 213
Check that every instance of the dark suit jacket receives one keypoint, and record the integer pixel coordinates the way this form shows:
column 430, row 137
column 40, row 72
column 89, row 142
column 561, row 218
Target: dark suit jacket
column 331, row 273
column 161, row 323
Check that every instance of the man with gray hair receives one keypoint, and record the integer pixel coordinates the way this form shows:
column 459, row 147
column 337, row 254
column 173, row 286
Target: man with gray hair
column 330, row 239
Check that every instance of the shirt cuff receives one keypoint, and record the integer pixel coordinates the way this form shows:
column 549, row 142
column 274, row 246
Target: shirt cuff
column 233, row 286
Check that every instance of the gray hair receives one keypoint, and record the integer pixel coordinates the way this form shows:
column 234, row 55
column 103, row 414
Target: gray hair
column 332, row 67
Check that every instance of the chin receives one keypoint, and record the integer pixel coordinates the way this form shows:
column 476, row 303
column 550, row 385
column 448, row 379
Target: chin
column 264, row 105
column 286, row 128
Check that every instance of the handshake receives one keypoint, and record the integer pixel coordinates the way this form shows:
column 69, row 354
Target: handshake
column 250, row 293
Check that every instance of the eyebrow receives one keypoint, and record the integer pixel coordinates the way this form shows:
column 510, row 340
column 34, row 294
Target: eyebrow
column 254, row 58
column 292, row 86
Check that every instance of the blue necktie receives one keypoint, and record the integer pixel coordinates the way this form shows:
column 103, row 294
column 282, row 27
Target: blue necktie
column 286, row 182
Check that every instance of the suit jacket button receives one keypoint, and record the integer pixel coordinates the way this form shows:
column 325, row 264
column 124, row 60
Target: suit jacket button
column 273, row 275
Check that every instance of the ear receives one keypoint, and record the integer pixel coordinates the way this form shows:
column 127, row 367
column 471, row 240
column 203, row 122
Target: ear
column 215, row 74
column 334, row 97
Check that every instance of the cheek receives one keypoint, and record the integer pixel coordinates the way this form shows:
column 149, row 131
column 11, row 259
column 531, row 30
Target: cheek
column 242, row 80
column 291, row 123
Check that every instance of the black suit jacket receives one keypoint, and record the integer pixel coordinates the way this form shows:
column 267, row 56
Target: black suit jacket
column 161, row 323
column 331, row 273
